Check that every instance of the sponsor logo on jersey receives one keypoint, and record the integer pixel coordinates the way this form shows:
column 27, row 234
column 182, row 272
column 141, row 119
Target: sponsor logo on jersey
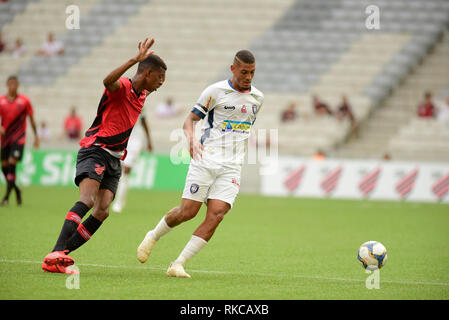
column 243, row 109
column 235, row 126
column 229, row 107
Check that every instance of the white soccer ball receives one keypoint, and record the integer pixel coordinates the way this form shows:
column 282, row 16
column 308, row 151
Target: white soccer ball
column 372, row 255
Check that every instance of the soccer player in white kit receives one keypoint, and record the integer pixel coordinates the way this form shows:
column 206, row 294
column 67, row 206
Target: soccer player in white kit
column 138, row 142
column 229, row 109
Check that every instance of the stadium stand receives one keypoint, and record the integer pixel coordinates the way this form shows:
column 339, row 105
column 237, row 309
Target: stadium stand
column 9, row 9
column 395, row 128
column 302, row 48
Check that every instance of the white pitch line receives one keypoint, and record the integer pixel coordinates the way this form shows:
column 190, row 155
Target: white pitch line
column 405, row 282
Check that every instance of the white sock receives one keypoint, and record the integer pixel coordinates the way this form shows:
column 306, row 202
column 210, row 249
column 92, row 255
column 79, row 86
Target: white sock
column 161, row 229
column 192, row 247
column 122, row 191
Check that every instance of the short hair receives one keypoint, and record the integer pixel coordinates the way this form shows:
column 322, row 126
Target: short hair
column 244, row 56
column 12, row 77
column 153, row 62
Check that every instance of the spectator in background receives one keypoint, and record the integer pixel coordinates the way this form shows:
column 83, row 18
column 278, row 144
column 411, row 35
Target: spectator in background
column 167, row 109
column 320, row 107
column 73, row 125
column 443, row 112
column 426, row 109
column 19, row 49
column 319, row 155
column 43, row 132
column 386, row 156
column 51, row 47
column 344, row 111
column 289, row 114
column 2, row 44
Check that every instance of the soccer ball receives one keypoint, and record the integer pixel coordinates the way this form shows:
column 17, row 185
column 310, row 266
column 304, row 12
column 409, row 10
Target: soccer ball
column 372, row 255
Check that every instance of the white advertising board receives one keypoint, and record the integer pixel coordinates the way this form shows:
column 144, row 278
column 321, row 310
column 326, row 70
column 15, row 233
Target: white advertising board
column 358, row 179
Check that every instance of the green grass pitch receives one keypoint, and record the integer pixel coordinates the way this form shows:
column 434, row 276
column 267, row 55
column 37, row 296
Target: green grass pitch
column 265, row 248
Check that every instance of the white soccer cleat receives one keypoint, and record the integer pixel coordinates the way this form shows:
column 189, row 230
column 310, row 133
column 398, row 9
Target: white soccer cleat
column 177, row 270
column 144, row 249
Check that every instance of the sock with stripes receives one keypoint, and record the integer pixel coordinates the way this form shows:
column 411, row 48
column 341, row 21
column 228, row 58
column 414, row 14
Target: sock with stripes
column 71, row 223
column 83, row 233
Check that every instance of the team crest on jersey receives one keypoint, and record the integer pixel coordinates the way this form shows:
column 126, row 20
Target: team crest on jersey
column 194, row 188
column 243, row 109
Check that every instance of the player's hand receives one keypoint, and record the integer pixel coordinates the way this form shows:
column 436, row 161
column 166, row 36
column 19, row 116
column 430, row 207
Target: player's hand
column 150, row 147
column 196, row 150
column 143, row 49
column 36, row 143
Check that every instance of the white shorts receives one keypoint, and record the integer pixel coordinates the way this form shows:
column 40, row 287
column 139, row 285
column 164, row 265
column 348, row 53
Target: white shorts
column 204, row 183
column 134, row 148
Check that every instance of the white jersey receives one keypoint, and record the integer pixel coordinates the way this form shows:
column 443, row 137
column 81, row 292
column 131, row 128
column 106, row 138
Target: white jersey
column 228, row 118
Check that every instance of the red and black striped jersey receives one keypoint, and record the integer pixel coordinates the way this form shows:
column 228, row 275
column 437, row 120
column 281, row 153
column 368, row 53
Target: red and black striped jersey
column 14, row 114
column 117, row 114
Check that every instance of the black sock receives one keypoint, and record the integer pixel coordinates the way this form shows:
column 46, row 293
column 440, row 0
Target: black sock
column 83, row 233
column 72, row 221
column 10, row 179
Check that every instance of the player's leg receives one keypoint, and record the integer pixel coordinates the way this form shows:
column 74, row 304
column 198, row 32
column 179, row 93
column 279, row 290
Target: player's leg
column 59, row 255
column 92, row 223
column 188, row 210
column 195, row 193
column 221, row 196
column 90, row 169
column 135, row 147
column 122, row 190
column 103, row 200
column 216, row 209
column 89, row 189
column 11, row 180
column 5, row 168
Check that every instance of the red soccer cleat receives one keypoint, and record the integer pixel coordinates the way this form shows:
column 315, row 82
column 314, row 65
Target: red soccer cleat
column 58, row 269
column 58, row 258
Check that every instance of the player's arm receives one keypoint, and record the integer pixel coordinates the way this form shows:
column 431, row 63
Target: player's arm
column 146, row 129
column 33, row 126
column 195, row 148
column 111, row 82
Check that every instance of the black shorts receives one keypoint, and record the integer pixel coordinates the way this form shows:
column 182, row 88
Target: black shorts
column 13, row 151
column 100, row 165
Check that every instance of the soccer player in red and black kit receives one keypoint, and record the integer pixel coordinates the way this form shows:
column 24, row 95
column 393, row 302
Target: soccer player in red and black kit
column 14, row 110
column 98, row 167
